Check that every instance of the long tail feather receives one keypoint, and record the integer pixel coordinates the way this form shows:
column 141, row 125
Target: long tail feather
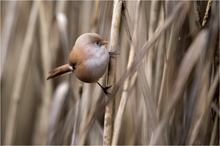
column 60, row 71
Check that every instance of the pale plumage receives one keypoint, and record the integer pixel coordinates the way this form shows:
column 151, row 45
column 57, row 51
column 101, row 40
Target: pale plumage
column 88, row 59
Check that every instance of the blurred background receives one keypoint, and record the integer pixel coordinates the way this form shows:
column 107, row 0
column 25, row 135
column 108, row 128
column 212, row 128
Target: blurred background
column 165, row 76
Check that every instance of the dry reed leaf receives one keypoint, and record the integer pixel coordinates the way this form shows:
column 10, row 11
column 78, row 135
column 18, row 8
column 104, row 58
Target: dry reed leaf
column 78, row 116
column 8, row 30
column 41, row 135
column 144, row 50
column 191, row 57
column 124, row 98
column 20, row 75
column 56, row 108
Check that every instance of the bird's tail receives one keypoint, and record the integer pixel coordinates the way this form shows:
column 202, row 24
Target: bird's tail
column 61, row 70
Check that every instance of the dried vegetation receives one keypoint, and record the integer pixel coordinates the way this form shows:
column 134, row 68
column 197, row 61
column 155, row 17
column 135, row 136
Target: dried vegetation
column 165, row 78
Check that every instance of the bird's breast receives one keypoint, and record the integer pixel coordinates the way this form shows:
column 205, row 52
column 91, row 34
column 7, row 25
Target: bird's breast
column 94, row 66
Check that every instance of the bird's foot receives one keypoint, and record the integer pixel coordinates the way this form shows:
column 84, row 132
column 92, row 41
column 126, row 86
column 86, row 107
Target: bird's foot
column 105, row 89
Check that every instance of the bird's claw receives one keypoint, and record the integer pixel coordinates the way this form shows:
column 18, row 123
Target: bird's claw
column 105, row 90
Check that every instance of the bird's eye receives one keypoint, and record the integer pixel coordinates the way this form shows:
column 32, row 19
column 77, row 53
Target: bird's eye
column 98, row 43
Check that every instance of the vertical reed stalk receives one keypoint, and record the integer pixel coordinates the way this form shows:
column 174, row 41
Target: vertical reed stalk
column 114, row 40
column 124, row 98
column 8, row 29
column 42, row 133
column 20, row 76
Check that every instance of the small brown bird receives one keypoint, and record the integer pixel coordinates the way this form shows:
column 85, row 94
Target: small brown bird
column 88, row 60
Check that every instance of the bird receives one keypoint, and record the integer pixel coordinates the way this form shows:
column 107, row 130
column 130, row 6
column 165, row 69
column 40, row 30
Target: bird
column 88, row 60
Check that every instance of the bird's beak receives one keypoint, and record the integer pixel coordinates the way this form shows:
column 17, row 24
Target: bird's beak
column 105, row 43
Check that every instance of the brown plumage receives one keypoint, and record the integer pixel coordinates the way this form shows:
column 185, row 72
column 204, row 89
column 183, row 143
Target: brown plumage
column 88, row 59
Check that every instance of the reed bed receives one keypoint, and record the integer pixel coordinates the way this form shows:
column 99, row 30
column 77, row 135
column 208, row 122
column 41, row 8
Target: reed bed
column 164, row 74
